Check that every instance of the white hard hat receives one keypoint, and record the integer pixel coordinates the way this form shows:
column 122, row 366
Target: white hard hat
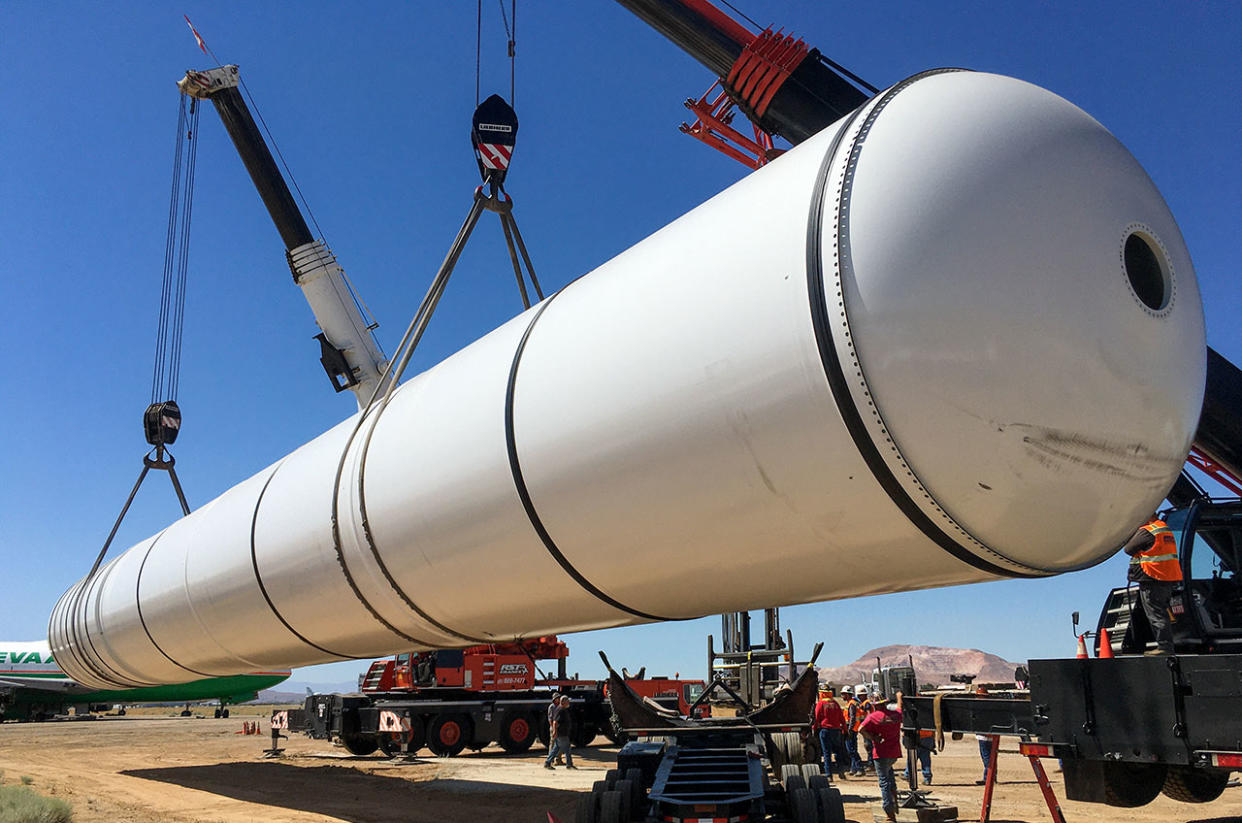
column 860, row 691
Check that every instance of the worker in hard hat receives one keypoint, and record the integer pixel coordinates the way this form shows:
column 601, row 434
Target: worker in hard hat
column 853, row 719
column 1154, row 566
column 829, row 723
column 871, row 699
column 882, row 727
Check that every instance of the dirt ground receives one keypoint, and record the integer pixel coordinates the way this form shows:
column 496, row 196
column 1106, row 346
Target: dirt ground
column 149, row 768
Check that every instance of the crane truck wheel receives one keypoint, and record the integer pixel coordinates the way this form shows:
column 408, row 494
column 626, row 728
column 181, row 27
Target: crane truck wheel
column 517, row 734
column 448, row 734
column 390, row 744
column 1191, row 785
column 360, row 744
column 544, row 732
column 583, row 733
column 1129, row 785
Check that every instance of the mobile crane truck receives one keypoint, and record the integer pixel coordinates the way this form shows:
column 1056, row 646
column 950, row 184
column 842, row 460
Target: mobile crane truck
column 453, row 699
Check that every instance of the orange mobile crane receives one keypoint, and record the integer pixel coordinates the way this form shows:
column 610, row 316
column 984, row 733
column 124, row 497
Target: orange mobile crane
column 453, row 699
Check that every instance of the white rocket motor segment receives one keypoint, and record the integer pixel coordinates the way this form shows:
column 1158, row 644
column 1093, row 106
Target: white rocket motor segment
column 954, row 337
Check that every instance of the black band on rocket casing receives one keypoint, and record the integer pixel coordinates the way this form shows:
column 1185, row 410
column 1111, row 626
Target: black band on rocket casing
column 831, row 357
column 258, row 578
column 143, row 621
column 524, row 493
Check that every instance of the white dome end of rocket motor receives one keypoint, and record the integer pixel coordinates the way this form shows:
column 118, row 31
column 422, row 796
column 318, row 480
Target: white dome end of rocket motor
column 1020, row 330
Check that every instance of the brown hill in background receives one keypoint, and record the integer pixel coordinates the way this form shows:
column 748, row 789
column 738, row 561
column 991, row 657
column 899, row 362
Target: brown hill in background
column 932, row 665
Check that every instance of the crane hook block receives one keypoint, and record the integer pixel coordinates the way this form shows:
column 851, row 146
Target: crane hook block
column 493, row 133
column 161, row 422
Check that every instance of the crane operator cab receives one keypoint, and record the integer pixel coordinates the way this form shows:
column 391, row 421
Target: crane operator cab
column 1207, row 606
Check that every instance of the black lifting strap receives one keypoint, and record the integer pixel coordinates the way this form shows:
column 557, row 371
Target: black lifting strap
column 161, row 422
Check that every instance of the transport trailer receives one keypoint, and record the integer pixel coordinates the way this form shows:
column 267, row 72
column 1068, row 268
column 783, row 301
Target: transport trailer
column 749, row 768
column 1126, row 729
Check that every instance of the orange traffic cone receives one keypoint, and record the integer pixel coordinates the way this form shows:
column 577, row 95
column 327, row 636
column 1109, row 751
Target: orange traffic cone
column 1082, row 646
column 1106, row 645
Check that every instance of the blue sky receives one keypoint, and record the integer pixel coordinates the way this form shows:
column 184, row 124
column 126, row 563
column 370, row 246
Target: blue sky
column 371, row 103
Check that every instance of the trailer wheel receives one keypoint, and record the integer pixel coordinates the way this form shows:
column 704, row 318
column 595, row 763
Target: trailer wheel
column 587, row 810
column 789, row 747
column 544, row 732
column 831, row 806
column 614, row 807
column 1191, row 785
column 517, row 734
column 360, row 744
column 1129, row 785
column 802, row 806
column 638, row 793
column 448, row 734
column 790, row 772
column 611, row 777
column 817, row 782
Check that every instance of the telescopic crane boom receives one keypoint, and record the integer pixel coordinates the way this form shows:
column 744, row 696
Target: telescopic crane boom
column 348, row 351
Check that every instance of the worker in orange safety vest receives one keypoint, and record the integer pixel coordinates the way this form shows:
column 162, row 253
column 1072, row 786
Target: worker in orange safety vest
column 1154, row 566
column 853, row 719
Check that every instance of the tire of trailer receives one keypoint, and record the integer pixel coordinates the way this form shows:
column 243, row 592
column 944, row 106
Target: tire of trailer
column 802, row 806
column 360, row 745
column 639, row 794
column 1191, row 785
column 614, row 807
column 587, row 810
column 611, row 777
column 544, row 731
column 790, row 772
column 831, row 806
column 1130, row 785
column 390, row 743
column 790, row 746
column 818, row 781
column 448, row 734
column 224, row 713
column 517, row 733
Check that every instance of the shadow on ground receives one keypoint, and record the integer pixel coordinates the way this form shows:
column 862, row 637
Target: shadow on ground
column 349, row 794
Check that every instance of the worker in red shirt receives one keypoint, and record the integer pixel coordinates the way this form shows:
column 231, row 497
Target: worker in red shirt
column 829, row 723
column 883, row 728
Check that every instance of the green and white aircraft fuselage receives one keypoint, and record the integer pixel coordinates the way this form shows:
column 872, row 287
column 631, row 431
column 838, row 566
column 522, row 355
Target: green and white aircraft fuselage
column 33, row 685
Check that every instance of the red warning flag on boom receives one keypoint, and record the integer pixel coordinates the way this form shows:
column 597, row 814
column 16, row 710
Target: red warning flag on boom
column 197, row 36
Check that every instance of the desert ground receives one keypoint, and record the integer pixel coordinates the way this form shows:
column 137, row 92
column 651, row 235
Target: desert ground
column 147, row 768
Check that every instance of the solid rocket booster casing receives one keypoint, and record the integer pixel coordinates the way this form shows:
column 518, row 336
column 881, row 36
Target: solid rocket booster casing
column 954, row 337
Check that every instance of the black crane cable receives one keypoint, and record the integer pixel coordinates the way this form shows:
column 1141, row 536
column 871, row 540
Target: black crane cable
column 511, row 45
column 166, row 373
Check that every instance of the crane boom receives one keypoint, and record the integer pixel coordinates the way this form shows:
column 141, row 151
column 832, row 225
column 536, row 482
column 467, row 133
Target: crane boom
column 348, row 351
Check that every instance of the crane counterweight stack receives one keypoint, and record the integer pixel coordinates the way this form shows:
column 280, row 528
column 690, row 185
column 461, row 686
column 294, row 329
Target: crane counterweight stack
column 349, row 352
